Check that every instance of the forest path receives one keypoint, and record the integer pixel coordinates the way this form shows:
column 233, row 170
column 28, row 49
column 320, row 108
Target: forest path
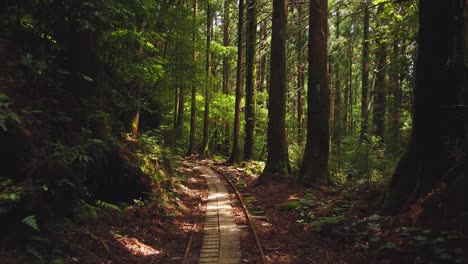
column 221, row 242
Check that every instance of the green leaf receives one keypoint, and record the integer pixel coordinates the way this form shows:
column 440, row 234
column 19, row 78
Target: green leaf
column 31, row 222
column 373, row 217
column 87, row 78
column 390, row 245
column 420, row 238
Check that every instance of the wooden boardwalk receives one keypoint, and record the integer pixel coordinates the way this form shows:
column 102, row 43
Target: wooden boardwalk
column 221, row 242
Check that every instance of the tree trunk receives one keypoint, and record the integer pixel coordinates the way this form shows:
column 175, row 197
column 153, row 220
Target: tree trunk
column 176, row 107
column 300, row 50
column 236, row 152
column 397, row 98
column 226, row 71
column 437, row 134
column 180, row 112
column 277, row 144
column 206, row 120
column 380, row 104
column 193, row 107
column 365, row 75
column 338, row 121
column 348, row 99
column 136, row 116
column 250, row 79
column 315, row 165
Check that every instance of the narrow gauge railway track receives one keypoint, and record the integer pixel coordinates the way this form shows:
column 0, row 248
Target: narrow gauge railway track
column 241, row 200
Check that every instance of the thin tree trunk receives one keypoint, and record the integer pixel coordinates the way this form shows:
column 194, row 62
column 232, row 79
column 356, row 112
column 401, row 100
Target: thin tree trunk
column 380, row 93
column 176, row 108
column 136, row 116
column 250, row 79
column 206, row 120
column 397, row 98
column 236, row 152
column 365, row 75
column 277, row 144
column 338, row 121
column 226, row 71
column 180, row 112
column 300, row 50
column 193, row 107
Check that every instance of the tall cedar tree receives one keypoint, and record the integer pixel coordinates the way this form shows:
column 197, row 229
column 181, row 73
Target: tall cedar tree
column 250, row 80
column 300, row 50
column 315, row 163
column 236, row 152
column 226, row 70
column 206, row 118
column 365, row 74
column 338, row 121
column 277, row 144
column 193, row 107
column 380, row 104
column 438, row 133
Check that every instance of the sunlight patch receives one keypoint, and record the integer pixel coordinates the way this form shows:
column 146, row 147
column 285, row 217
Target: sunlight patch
column 136, row 248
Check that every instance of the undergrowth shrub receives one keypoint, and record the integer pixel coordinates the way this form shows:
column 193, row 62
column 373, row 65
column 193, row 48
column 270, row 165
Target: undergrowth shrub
column 369, row 161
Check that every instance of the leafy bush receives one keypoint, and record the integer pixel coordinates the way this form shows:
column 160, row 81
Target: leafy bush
column 10, row 194
column 368, row 161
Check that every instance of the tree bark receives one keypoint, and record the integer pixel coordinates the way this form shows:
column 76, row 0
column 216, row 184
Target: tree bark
column 365, row 75
column 226, row 71
column 193, row 107
column 250, row 79
column 277, row 144
column 380, row 104
column 300, row 50
column 180, row 112
column 394, row 80
column 206, row 120
column 440, row 80
column 315, row 165
column 236, row 152
column 338, row 121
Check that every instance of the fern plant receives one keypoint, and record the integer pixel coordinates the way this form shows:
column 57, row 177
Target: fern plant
column 107, row 206
column 31, row 221
column 5, row 112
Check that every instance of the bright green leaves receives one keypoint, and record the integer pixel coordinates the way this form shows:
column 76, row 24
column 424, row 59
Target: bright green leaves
column 31, row 222
column 121, row 40
column 146, row 72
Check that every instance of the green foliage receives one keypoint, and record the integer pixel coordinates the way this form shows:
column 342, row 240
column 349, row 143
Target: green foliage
column 10, row 194
column 108, row 206
column 84, row 210
column 368, row 160
column 30, row 221
column 6, row 115
column 79, row 155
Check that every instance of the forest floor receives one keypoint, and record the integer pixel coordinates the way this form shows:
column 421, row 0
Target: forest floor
column 303, row 225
